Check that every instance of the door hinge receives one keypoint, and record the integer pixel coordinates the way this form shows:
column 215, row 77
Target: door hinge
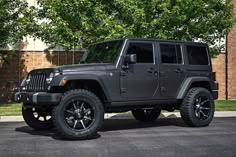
column 123, row 90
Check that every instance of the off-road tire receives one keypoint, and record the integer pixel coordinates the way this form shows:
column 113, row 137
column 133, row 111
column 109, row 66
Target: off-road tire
column 188, row 108
column 34, row 122
column 146, row 115
column 59, row 115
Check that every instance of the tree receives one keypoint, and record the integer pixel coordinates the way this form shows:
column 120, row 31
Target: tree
column 67, row 22
column 15, row 17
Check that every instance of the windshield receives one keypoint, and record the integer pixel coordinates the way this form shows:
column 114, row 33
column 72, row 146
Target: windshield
column 105, row 52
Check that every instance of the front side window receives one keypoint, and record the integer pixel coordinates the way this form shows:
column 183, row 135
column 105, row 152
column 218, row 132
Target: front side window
column 171, row 54
column 143, row 51
column 105, row 52
column 197, row 55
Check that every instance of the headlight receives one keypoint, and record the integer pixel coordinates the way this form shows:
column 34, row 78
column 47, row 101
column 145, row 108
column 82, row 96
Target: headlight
column 27, row 80
column 49, row 79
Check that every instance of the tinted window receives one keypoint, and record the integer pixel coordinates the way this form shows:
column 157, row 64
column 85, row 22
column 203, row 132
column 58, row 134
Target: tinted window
column 171, row 54
column 105, row 52
column 143, row 51
column 197, row 55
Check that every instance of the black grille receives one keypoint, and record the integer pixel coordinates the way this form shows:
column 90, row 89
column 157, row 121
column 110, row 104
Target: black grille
column 37, row 82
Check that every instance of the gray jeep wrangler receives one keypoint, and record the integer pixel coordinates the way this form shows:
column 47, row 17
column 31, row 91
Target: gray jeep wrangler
column 143, row 76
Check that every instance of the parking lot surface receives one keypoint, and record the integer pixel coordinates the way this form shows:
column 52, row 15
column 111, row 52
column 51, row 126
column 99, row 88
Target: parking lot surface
column 124, row 138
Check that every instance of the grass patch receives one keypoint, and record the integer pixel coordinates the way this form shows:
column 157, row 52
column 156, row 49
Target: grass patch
column 15, row 108
column 10, row 109
column 223, row 105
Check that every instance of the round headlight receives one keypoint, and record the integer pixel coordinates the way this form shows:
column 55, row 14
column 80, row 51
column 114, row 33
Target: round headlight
column 49, row 79
column 51, row 75
column 28, row 79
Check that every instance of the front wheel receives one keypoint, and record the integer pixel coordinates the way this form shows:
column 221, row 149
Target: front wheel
column 197, row 109
column 79, row 115
column 37, row 118
column 146, row 115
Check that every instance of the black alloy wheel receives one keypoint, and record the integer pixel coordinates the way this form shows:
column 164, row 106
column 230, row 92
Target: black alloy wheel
column 202, row 107
column 79, row 115
column 38, row 118
column 197, row 108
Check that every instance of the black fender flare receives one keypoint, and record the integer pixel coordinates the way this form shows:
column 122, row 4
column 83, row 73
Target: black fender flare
column 58, row 81
column 187, row 83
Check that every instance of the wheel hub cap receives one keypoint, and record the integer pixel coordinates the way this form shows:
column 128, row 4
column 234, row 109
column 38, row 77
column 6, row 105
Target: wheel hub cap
column 79, row 115
column 202, row 108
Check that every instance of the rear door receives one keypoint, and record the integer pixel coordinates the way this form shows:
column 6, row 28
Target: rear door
column 172, row 70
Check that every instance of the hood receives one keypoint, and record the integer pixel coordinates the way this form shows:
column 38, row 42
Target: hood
column 84, row 67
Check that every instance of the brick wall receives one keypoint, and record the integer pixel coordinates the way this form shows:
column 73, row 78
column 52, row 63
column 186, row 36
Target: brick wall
column 23, row 62
column 218, row 65
column 232, row 61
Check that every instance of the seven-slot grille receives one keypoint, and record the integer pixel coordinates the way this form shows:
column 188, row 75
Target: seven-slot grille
column 37, row 82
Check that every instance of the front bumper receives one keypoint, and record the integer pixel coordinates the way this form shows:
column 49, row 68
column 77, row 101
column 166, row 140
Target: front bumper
column 38, row 98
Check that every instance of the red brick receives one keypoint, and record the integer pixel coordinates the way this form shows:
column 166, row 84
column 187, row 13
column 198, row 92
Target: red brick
column 25, row 62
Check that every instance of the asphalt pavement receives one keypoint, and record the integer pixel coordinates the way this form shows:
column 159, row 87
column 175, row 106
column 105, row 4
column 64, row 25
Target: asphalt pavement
column 125, row 138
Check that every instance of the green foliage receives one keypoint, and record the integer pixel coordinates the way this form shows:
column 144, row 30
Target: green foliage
column 12, row 21
column 15, row 22
column 72, row 21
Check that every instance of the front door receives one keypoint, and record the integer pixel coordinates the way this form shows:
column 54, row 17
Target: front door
column 172, row 72
column 140, row 80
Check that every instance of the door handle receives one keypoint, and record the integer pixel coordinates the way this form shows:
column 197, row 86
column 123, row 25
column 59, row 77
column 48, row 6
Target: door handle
column 178, row 70
column 152, row 71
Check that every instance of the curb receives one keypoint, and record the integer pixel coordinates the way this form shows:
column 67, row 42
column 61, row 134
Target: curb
column 126, row 115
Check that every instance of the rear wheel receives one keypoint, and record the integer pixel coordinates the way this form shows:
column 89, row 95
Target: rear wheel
column 146, row 115
column 198, row 107
column 37, row 118
column 79, row 115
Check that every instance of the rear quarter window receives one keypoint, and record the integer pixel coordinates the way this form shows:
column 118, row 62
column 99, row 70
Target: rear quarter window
column 197, row 55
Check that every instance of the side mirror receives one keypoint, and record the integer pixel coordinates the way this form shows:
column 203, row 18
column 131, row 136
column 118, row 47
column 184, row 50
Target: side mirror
column 130, row 59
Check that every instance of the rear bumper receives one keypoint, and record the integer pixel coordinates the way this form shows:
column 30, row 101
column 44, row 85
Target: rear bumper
column 215, row 87
column 38, row 98
column 215, row 94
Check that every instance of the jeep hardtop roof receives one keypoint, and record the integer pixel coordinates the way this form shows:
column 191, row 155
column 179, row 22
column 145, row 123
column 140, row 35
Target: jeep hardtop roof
column 159, row 40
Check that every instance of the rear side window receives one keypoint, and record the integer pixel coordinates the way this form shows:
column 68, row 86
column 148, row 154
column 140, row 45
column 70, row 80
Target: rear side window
column 171, row 54
column 143, row 51
column 197, row 55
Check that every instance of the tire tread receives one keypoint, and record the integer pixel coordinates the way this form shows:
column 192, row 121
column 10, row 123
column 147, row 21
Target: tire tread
column 57, row 127
column 185, row 109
